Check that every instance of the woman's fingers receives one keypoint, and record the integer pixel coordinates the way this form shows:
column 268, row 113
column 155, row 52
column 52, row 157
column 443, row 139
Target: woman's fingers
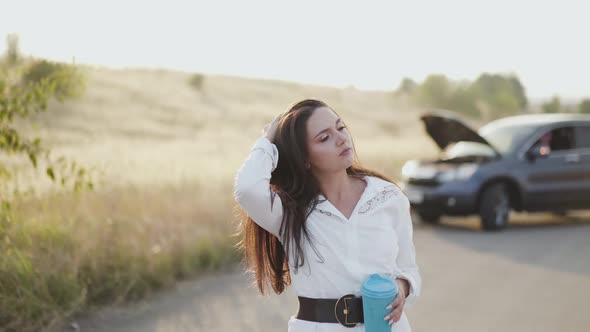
column 396, row 314
column 275, row 121
column 271, row 128
column 394, row 303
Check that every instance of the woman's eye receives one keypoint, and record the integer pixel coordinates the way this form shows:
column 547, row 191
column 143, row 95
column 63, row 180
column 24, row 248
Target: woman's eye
column 325, row 138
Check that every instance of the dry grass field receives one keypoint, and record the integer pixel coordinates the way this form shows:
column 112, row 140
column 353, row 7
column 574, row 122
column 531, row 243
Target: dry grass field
column 152, row 127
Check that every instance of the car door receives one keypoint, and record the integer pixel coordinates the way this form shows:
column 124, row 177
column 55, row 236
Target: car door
column 554, row 178
column 582, row 132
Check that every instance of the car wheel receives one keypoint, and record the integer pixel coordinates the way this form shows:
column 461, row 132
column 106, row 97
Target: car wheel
column 494, row 207
column 429, row 217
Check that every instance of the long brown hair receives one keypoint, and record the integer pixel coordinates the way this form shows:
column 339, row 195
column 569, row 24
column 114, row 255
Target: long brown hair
column 298, row 190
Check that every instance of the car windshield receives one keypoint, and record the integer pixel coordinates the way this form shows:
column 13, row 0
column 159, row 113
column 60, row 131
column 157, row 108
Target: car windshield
column 504, row 138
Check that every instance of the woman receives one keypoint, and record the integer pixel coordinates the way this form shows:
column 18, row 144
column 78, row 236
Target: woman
column 316, row 218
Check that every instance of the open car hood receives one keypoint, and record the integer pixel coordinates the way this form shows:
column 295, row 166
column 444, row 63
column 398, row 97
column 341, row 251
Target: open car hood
column 446, row 129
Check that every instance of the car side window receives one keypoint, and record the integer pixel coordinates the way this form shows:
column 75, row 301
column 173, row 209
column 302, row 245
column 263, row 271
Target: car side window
column 558, row 139
column 583, row 137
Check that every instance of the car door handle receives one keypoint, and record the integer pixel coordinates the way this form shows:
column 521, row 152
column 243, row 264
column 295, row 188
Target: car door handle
column 572, row 158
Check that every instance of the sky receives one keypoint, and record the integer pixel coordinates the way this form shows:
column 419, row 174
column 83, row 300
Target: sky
column 366, row 44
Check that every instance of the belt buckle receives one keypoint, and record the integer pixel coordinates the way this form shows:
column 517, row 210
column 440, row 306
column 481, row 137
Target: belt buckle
column 341, row 307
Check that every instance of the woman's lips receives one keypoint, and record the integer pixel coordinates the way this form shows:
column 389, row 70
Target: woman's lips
column 346, row 151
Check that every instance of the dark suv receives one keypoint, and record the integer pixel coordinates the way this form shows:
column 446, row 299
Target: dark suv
column 536, row 162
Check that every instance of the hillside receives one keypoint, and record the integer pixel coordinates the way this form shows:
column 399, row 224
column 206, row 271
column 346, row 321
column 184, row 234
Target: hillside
column 145, row 126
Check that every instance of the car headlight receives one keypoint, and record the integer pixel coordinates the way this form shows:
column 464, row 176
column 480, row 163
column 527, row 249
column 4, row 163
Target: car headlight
column 462, row 172
column 412, row 169
column 409, row 169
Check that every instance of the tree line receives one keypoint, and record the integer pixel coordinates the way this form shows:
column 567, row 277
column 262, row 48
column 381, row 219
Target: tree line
column 489, row 96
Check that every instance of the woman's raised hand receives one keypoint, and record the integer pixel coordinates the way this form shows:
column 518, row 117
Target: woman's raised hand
column 270, row 130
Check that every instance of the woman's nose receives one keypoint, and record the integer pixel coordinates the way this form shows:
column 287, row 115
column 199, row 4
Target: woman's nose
column 341, row 138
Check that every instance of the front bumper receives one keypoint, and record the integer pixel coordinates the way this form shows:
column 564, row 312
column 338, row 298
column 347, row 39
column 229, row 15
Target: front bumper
column 443, row 199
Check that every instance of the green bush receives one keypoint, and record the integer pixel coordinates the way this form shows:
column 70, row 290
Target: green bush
column 503, row 94
column 552, row 106
column 67, row 81
column 584, row 106
column 406, row 87
column 26, row 87
column 435, row 91
column 196, row 81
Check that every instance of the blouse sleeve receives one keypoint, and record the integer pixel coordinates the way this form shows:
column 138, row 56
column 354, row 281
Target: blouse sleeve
column 252, row 186
column 406, row 259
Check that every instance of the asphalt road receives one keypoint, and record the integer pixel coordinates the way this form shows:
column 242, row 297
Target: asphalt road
column 533, row 276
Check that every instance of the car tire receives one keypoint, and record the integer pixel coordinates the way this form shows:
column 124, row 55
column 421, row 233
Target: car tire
column 494, row 207
column 429, row 217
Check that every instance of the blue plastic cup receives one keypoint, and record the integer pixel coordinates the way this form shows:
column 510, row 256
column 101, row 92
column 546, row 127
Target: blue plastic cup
column 377, row 292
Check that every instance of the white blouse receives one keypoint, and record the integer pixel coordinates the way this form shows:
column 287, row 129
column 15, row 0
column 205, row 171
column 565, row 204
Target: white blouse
column 377, row 238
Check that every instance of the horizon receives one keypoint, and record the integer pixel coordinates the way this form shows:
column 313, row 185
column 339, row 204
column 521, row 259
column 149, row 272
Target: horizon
column 369, row 47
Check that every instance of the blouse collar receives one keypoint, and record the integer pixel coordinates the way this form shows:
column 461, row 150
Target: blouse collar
column 375, row 186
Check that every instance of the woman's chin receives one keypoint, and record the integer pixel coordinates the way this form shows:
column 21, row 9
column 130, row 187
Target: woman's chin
column 348, row 163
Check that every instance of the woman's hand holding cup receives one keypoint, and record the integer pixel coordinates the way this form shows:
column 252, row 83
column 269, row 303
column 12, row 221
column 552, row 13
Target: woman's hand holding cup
column 399, row 302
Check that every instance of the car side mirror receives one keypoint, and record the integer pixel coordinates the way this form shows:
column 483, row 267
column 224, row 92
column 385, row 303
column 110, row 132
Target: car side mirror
column 538, row 151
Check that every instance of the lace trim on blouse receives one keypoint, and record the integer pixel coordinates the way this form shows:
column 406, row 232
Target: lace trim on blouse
column 328, row 213
column 380, row 198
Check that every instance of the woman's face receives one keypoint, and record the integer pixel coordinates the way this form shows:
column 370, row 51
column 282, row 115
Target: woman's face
column 329, row 144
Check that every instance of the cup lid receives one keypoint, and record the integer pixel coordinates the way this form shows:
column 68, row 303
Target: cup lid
column 379, row 286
